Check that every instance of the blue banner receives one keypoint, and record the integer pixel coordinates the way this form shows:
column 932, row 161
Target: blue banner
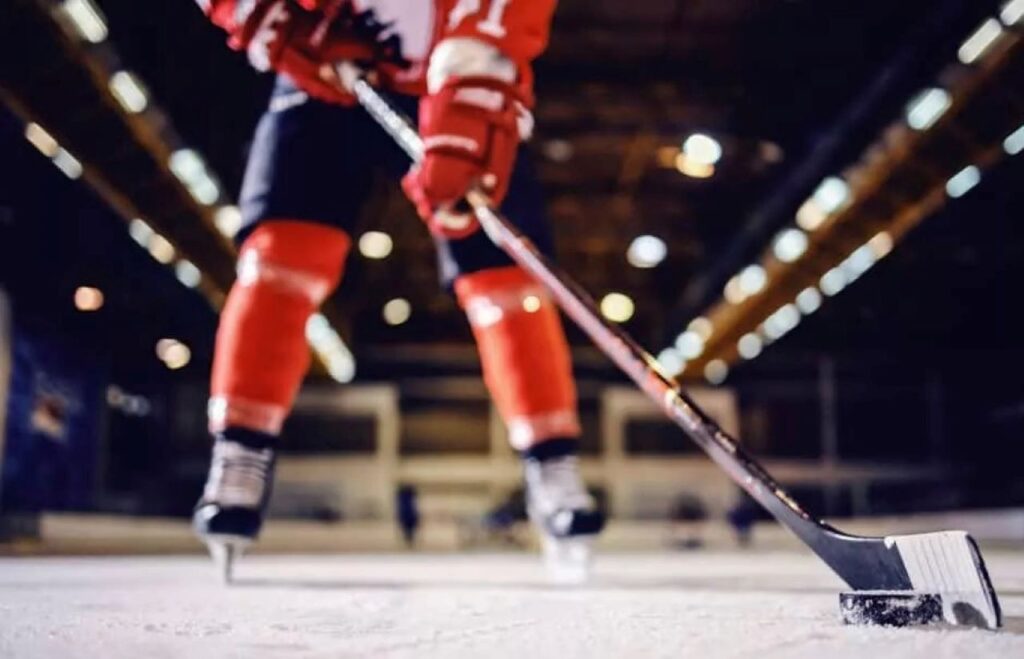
column 52, row 443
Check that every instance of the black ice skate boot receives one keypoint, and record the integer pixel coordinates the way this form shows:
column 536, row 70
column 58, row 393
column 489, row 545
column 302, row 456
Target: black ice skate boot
column 230, row 513
column 562, row 510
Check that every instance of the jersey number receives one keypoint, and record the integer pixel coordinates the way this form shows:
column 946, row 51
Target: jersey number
column 491, row 25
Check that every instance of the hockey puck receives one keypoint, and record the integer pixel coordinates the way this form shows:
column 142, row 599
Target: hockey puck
column 890, row 608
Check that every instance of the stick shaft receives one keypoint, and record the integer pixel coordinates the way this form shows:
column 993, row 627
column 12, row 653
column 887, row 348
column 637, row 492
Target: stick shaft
column 864, row 563
column 618, row 345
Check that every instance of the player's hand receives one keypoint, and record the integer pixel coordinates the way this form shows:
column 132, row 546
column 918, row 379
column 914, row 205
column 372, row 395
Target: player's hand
column 470, row 130
column 297, row 38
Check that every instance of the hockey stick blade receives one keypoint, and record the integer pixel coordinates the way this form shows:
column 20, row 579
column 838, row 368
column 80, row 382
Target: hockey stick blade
column 946, row 563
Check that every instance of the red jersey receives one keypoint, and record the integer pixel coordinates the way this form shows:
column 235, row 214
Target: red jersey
column 517, row 28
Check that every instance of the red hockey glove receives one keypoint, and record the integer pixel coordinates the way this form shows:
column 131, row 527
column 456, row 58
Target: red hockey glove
column 300, row 38
column 470, row 131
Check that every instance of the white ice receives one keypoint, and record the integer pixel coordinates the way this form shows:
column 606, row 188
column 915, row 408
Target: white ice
column 702, row 604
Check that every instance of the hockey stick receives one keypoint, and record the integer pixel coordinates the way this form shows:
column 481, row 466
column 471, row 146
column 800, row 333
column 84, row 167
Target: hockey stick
column 947, row 563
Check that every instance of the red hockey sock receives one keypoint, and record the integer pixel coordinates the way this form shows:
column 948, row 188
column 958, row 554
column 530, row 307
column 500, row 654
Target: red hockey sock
column 286, row 269
column 525, row 356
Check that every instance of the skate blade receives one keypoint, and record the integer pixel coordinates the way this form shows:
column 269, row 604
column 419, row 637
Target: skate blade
column 225, row 550
column 568, row 560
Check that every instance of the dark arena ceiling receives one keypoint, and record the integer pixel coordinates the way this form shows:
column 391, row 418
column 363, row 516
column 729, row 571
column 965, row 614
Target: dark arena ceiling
column 794, row 91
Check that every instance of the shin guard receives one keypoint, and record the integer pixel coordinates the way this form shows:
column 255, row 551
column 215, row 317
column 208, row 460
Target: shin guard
column 285, row 271
column 525, row 356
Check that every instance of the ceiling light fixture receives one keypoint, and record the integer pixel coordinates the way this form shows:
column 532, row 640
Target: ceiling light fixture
column 809, row 300
column 617, row 307
column 187, row 273
column 1014, row 143
column 790, row 245
column 980, row 41
column 87, row 19
column 963, row 181
column 750, row 346
column 927, row 107
column 129, row 92
column 1012, row 12
column 671, row 361
column 646, row 252
column 689, row 167
column 702, row 149
column 375, row 245
column 331, row 350
column 397, row 311
column 88, row 298
column 716, row 371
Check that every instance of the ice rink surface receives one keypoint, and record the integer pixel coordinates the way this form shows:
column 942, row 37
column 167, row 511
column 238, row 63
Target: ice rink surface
column 743, row 604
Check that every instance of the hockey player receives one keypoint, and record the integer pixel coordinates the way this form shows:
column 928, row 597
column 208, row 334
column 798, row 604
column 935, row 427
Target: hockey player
column 469, row 63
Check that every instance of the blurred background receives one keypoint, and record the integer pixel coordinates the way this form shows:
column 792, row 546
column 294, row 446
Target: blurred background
column 808, row 209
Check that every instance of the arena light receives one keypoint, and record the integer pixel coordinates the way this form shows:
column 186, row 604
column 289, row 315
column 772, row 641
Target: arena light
column 702, row 327
column 375, row 245
column 831, row 195
column 228, row 220
column 187, row 273
column 749, row 346
column 858, row 262
column 881, row 244
column 963, row 182
column 161, row 249
column 752, row 280
column 733, row 294
column 702, row 149
column 188, row 166
column 47, row 145
column 748, row 282
column 331, row 350
column 87, row 19
column 173, row 353
column 41, row 140
column 68, row 164
column 1012, row 12
column 980, row 41
column 205, row 191
column 716, row 371
column 397, row 311
column 690, row 345
column 771, row 330
column 809, row 300
column 689, row 167
column 783, row 320
column 646, row 252
column 927, row 107
column 790, row 245
column 833, row 282
column 617, row 307
column 1014, row 144
column 88, row 298
column 560, row 151
column 129, row 92
column 671, row 361
column 810, row 216
column 786, row 317
column 140, row 232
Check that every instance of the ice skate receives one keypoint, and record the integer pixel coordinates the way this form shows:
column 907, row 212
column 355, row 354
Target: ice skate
column 230, row 513
column 564, row 514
